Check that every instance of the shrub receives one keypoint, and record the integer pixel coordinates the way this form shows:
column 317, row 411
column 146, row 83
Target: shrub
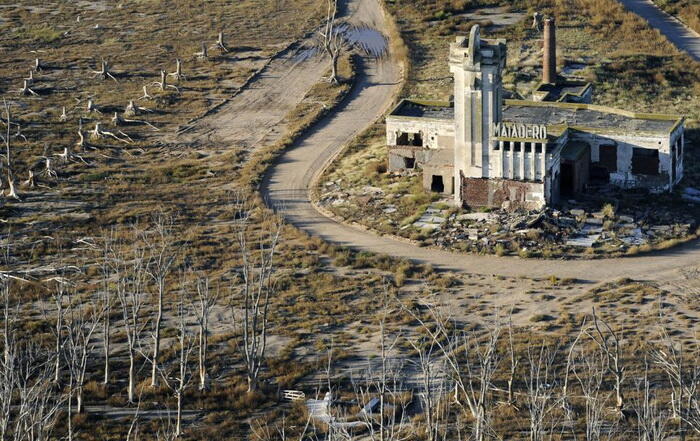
column 500, row 250
column 608, row 211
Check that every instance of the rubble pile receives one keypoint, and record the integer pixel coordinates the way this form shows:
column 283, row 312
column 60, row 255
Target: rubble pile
column 572, row 230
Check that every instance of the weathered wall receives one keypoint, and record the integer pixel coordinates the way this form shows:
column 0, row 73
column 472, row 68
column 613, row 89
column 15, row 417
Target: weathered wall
column 479, row 192
column 624, row 176
column 434, row 131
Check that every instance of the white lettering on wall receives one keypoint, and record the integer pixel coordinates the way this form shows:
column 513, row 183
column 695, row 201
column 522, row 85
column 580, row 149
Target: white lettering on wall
column 522, row 131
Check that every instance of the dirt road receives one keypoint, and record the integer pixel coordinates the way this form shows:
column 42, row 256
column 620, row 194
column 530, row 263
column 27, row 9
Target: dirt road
column 680, row 35
column 287, row 184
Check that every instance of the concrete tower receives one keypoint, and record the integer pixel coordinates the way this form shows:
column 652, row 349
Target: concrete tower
column 477, row 66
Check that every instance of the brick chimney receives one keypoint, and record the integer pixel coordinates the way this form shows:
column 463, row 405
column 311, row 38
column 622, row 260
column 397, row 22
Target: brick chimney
column 549, row 68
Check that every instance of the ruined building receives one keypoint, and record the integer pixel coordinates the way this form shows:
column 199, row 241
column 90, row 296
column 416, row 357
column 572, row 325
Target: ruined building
column 488, row 151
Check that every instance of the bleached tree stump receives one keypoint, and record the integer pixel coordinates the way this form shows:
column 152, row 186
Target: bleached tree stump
column 30, row 180
column 178, row 70
column 221, row 44
column 11, row 192
column 163, row 83
column 104, row 71
column 203, row 54
column 37, row 64
column 146, row 96
column 81, row 141
column 64, row 116
column 97, row 133
column 25, row 90
column 91, row 107
column 48, row 168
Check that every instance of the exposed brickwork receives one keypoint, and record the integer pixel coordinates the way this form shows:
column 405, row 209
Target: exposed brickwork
column 481, row 192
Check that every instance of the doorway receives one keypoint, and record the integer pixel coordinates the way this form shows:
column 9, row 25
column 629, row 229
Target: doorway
column 437, row 185
column 566, row 179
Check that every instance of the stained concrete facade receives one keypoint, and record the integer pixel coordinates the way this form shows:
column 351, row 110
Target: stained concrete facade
column 488, row 151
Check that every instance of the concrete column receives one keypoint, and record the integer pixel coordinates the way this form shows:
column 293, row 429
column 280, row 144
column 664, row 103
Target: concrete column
column 501, row 160
column 522, row 161
column 533, row 174
column 682, row 145
column 512, row 161
column 543, row 161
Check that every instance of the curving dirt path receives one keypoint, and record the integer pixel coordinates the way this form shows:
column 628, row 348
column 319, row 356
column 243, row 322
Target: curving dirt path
column 287, row 185
column 677, row 33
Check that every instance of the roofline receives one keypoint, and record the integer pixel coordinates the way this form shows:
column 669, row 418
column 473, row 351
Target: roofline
column 597, row 108
column 604, row 109
column 422, row 102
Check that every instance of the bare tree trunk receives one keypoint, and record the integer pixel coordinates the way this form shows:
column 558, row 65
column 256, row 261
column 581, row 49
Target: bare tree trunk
column 8, row 156
column 609, row 342
column 130, row 292
column 206, row 300
column 160, row 264
column 258, row 287
column 332, row 41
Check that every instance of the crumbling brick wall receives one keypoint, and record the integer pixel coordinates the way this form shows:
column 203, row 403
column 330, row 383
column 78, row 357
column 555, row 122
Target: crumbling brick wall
column 481, row 192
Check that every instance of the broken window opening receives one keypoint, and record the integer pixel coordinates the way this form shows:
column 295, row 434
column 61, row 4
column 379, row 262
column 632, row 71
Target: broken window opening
column 409, row 139
column 417, row 140
column 437, row 185
column 645, row 161
column 409, row 162
column 608, row 157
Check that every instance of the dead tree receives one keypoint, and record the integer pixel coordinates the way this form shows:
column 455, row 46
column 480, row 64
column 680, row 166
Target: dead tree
column 64, row 116
column 29, row 402
column 683, row 373
column 205, row 301
column 104, row 71
column 30, row 78
column 182, row 372
column 472, row 364
column 91, row 108
column 80, row 327
column 589, row 369
column 118, row 120
column 107, row 267
column 97, row 133
column 160, row 264
column 178, row 70
column 163, row 83
column 11, row 193
column 332, row 40
column 220, row 44
column 203, row 53
column 609, row 342
column 30, row 180
column 57, row 296
column 132, row 109
column 258, row 285
column 431, row 384
column 514, row 362
column 81, row 138
column 26, row 90
column 145, row 96
column 652, row 420
column 541, row 400
column 38, row 65
column 385, row 381
column 130, row 291
column 8, row 371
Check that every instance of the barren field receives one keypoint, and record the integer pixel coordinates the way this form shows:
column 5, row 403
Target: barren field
column 149, row 293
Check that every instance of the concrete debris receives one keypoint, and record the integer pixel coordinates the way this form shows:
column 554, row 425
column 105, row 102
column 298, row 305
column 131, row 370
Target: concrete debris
column 691, row 195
